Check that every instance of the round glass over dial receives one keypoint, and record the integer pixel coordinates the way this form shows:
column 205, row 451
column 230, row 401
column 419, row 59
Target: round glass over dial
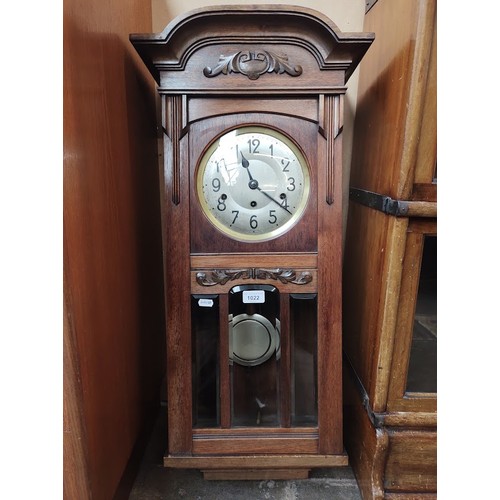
column 253, row 184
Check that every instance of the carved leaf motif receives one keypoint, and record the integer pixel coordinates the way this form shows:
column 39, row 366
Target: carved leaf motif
column 252, row 64
column 284, row 275
column 222, row 276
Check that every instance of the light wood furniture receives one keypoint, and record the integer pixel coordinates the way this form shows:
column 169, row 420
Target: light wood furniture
column 283, row 69
column 390, row 385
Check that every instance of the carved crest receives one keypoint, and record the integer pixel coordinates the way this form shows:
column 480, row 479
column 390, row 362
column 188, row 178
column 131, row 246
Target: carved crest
column 253, row 63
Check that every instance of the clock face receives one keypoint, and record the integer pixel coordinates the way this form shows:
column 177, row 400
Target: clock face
column 253, row 184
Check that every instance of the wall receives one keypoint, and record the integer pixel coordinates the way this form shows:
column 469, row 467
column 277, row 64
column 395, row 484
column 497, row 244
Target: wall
column 348, row 15
column 114, row 326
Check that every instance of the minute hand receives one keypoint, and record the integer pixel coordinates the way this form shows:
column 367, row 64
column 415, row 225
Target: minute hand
column 275, row 201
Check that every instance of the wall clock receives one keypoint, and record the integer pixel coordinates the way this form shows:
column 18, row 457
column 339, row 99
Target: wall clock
column 251, row 120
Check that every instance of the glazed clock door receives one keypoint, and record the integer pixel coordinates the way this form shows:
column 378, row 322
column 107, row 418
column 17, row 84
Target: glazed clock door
column 254, row 313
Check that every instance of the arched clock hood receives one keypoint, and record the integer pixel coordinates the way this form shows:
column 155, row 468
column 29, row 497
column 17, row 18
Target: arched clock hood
column 244, row 29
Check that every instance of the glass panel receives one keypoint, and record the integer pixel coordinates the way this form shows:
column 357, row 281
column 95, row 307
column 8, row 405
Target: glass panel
column 254, row 395
column 205, row 353
column 422, row 370
column 254, row 348
column 303, row 331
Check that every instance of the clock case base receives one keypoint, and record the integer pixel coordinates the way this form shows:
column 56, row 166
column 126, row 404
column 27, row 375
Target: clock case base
column 257, row 467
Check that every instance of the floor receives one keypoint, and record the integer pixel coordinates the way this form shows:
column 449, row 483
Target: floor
column 155, row 482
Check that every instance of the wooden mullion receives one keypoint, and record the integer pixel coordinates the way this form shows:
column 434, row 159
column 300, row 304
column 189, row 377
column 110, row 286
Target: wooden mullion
column 224, row 373
column 285, row 361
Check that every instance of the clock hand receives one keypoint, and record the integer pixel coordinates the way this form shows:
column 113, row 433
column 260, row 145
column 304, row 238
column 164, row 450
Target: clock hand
column 272, row 199
column 254, row 184
column 245, row 164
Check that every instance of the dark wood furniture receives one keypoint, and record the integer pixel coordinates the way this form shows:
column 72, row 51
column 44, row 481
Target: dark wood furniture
column 390, row 259
column 285, row 69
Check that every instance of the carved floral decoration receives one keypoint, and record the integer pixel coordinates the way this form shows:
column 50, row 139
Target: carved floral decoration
column 253, row 64
column 222, row 276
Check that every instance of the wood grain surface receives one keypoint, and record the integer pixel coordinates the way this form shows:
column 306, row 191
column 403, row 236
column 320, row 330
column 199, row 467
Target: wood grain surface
column 391, row 434
column 112, row 238
column 203, row 64
column 395, row 117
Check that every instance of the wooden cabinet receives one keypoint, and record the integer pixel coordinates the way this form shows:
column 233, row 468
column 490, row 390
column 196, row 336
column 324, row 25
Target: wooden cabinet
column 389, row 313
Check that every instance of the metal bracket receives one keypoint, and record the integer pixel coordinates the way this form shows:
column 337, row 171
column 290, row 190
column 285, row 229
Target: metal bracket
column 376, row 419
column 369, row 4
column 379, row 202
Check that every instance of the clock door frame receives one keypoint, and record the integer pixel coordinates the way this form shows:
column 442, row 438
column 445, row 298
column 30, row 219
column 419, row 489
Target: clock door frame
column 324, row 263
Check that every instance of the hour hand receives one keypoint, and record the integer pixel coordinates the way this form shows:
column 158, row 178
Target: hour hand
column 245, row 164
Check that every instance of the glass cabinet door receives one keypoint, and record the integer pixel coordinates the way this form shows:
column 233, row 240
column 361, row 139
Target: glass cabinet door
column 413, row 379
column 422, row 368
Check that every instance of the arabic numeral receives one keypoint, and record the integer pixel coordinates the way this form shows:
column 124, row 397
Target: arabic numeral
column 291, row 186
column 255, row 143
column 219, row 164
column 216, row 184
column 254, row 222
column 284, row 164
column 221, row 203
column 272, row 217
column 236, row 213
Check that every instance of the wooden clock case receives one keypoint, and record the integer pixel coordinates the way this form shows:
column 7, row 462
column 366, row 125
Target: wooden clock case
column 284, row 68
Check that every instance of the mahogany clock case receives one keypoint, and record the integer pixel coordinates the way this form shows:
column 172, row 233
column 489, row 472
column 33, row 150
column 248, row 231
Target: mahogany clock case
column 231, row 405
